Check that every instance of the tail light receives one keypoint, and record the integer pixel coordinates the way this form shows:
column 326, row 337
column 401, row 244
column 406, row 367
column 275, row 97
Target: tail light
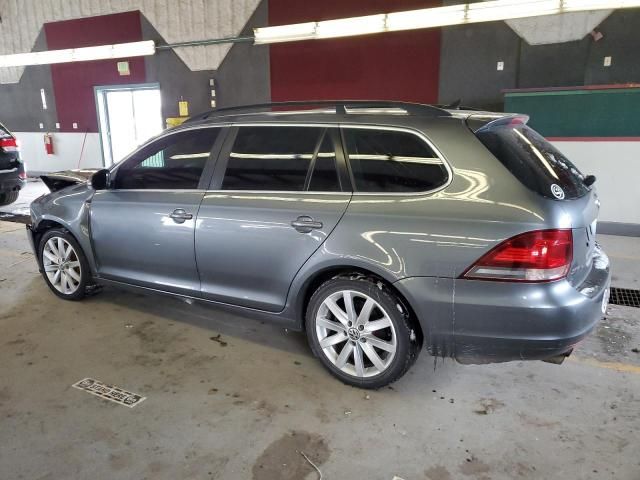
column 538, row 256
column 9, row 144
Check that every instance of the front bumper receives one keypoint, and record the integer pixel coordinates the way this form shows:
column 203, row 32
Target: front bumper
column 502, row 321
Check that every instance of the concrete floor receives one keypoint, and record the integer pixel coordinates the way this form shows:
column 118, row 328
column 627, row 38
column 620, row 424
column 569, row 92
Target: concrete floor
column 233, row 398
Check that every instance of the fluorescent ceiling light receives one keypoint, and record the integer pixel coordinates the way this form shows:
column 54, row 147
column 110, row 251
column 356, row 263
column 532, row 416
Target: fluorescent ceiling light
column 426, row 17
column 102, row 52
column 579, row 5
column 506, row 9
column 432, row 17
column 351, row 26
column 285, row 33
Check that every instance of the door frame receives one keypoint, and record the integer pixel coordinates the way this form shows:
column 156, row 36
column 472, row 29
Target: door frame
column 99, row 93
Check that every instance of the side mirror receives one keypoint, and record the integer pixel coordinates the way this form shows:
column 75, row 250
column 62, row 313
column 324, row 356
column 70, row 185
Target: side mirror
column 100, row 180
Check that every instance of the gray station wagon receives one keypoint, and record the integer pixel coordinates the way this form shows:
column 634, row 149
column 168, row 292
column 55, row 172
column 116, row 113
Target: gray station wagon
column 378, row 228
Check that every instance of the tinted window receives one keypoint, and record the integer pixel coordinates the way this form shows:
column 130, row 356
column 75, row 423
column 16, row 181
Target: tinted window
column 534, row 161
column 324, row 176
column 173, row 162
column 271, row 158
column 389, row 161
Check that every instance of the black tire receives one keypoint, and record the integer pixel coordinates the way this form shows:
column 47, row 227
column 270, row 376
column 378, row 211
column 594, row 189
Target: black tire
column 407, row 338
column 85, row 272
column 7, row 198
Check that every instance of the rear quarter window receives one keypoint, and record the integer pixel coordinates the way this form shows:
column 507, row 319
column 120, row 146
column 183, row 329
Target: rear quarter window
column 534, row 161
column 392, row 161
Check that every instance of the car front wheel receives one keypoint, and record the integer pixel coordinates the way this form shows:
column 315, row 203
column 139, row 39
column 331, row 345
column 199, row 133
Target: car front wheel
column 63, row 264
column 361, row 331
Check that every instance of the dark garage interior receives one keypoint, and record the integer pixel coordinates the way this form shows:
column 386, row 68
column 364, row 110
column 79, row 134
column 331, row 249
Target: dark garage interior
column 340, row 239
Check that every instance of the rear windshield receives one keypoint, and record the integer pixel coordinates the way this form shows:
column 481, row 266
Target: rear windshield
column 534, row 161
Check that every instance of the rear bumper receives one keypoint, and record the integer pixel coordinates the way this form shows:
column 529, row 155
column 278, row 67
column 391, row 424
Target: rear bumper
column 10, row 179
column 503, row 321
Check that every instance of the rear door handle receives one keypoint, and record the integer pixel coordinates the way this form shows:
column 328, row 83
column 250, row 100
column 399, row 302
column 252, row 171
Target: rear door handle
column 179, row 215
column 305, row 224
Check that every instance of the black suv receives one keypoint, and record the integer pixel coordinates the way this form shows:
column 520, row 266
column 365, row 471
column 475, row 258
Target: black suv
column 12, row 173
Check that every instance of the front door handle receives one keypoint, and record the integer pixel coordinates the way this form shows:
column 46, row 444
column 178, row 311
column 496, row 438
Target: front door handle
column 305, row 224
column 179, row 215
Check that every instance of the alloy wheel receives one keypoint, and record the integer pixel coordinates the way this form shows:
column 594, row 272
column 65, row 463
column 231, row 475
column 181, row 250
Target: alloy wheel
column 62, row 265
column 355, row 333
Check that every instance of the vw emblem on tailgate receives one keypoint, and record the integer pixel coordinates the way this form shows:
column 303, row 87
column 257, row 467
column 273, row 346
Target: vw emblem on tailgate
column 557, row 191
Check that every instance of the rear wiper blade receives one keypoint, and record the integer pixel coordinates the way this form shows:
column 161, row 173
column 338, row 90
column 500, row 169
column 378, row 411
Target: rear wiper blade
column 589, row 180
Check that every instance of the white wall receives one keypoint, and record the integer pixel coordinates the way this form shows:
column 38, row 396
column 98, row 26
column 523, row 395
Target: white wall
column 617, row 168
column 67, row 151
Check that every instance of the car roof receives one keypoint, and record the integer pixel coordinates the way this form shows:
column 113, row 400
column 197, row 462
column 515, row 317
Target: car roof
column 338, row 111
column 325, row 110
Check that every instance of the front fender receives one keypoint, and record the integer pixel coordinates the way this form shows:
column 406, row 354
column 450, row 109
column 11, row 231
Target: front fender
column 69, row 208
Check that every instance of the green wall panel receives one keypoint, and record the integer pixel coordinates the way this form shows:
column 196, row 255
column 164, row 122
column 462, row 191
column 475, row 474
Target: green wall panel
column 580, row 113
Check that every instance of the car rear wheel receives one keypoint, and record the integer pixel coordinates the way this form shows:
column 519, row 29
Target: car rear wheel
column 63, row 264
column 361, row 331
column 8, row 198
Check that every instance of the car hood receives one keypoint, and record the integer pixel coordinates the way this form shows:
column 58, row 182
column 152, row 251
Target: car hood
column 59, row 180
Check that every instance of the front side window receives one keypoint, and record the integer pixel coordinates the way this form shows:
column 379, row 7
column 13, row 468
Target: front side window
column 275, row 158
column 392, row 161
column 174, row 162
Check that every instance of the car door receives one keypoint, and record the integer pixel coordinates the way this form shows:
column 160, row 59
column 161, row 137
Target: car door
column 277, row 193
column 142, row 227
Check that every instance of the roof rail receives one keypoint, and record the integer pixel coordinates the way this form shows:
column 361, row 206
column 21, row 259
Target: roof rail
column 340, row 106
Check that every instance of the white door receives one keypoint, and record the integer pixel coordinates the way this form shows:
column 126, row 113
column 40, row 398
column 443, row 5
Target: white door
column 129, row 116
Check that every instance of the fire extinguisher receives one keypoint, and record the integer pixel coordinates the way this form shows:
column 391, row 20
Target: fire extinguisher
column 48, row 143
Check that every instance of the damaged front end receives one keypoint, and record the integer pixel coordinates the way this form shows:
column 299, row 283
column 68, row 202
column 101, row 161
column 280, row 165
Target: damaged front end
column 59, row 180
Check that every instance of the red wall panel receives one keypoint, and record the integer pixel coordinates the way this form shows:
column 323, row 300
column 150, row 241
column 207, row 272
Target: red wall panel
column 388, row 66
column 73, row 82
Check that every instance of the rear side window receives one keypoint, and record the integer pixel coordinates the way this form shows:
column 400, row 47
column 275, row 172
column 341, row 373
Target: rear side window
column 173, row 162
column 275, row 158
column 391, row 161
column 534, row 161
